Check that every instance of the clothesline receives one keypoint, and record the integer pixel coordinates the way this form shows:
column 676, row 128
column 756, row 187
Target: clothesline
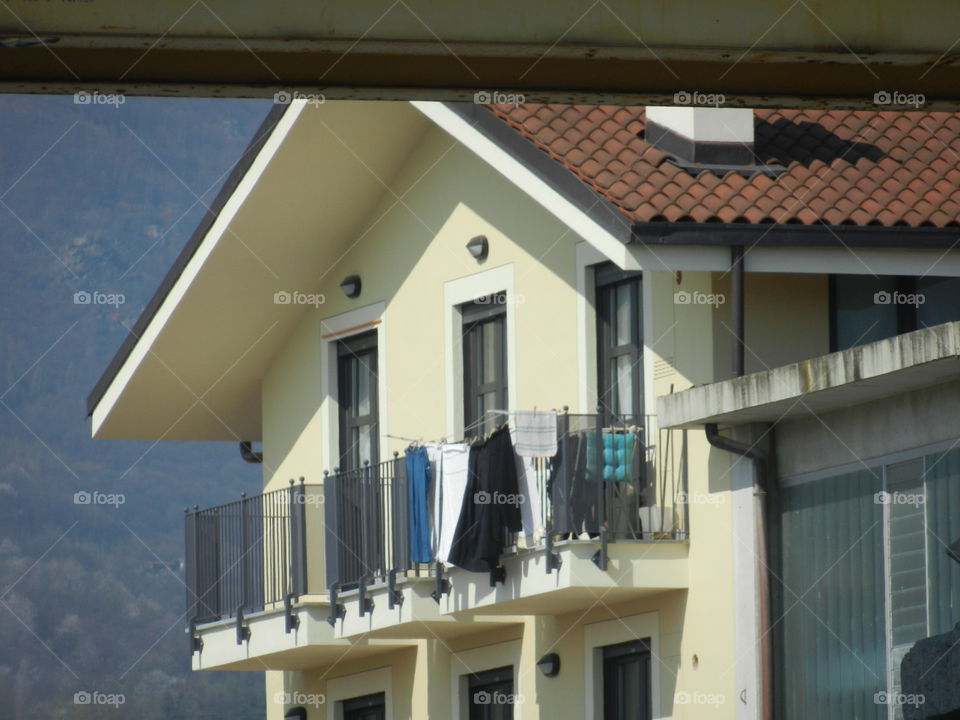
column 467, row 429
column 625, row 428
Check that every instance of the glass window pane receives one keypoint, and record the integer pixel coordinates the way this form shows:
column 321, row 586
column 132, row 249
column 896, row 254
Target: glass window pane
column 488, row 352
column 364, row 440
column 941, row 301
column 621, row 371
column 831, row 642
column 624, row 320
column 362, row 388
column 864, row 311
column 943, row 526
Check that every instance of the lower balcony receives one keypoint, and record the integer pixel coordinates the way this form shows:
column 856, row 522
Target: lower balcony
column 295, row 577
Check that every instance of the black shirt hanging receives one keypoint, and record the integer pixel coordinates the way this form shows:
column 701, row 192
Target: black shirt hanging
column 491, row 505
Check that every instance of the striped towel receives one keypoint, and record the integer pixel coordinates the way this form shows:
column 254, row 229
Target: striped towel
column 535, row 433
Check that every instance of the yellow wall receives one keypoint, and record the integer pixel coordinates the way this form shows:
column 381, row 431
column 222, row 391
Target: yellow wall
column 404, row 258
column 786, row 319
column 422, row 677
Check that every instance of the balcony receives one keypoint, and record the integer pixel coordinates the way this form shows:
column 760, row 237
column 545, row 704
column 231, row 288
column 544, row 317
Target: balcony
column 621, row 534
column 295, row 575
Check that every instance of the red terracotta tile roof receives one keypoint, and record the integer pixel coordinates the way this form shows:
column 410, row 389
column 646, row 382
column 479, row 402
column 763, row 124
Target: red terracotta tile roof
column 842, row 167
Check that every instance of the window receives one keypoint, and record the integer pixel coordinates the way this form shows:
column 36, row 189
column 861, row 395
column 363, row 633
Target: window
column 368, row 707
column 484, row 362
column 869, row 545
column 357, row 396
column 626, row 681
column 864, row 308
column 620, row 345
column 491, row 694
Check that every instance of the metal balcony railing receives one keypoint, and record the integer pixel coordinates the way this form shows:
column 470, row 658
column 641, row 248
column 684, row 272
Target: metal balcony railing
column 252, row 554
column 366, row 523
column 587, row 492
column 246, row 555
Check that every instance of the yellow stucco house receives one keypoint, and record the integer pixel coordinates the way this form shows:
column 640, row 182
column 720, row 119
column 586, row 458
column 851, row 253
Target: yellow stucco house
column 714, row 315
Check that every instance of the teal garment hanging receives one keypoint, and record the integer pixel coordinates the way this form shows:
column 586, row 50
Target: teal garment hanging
column 617, row 460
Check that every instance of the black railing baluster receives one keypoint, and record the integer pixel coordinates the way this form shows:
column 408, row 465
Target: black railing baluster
column 245, row 555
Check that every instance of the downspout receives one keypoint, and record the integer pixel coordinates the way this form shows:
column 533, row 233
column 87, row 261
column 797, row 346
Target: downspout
column 759, row 457
column 247, row 453
column 736, row 309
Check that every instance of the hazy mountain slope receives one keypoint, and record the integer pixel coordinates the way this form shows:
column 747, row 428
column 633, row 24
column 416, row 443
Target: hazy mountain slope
column 100, row 199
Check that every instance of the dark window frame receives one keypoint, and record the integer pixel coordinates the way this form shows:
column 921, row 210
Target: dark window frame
column 475, row 316
column 607, row 278
column 495, row 680
column 614, row 657
column 362, row 349
column 364, row 704
column 906, row 315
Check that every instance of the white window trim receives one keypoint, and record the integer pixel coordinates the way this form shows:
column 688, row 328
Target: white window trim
column 341, row 325
column 476, row 660
column 456, row 293
column 586, row 257
column 348, row 687
column 598, row 635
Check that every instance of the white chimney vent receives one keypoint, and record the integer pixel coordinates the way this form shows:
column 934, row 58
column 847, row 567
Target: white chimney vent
column 702, row 135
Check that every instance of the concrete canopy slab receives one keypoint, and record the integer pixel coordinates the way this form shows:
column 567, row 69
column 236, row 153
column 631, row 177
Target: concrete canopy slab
column 851, row 377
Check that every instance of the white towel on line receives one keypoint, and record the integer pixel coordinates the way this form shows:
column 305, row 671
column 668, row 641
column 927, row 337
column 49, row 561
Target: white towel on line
column 448, row 500
column 535, row 433
column 531, row 507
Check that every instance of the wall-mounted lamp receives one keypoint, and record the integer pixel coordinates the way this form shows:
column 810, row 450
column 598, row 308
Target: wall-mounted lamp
column 549, row 665
column 478, row 247
column 297, row 713
column 351, row 286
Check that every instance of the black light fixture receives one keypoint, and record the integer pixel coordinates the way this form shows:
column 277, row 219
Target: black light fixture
column 297, row 713
column 478, row 247
column 351, row 286
column 549, row 665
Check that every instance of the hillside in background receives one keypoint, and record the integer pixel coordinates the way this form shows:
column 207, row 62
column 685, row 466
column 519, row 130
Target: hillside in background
column 101, row 199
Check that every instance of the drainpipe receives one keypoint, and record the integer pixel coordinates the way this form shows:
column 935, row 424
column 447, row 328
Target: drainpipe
column 736, row 308
column 759, row 457
column 247, row 453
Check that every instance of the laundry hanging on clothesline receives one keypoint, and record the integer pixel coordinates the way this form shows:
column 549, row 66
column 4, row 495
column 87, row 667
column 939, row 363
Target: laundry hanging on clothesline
column 443, row 478
column 535, row 433
column 418, row 489
column 491, row 504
